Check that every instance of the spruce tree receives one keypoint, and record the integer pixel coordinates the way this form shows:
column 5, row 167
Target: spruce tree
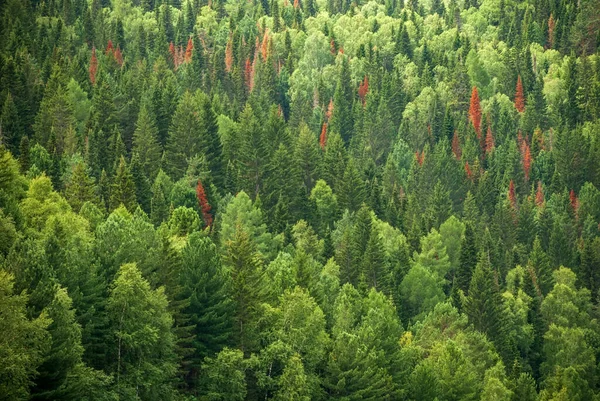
column 123, row 188
column 145, row 143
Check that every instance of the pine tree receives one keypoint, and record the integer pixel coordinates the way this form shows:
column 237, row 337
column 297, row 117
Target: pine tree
column 80, row 187
column 351, row 193
column 184, row 136
column 65, row 353
column 211, row 311
column 141, row 182
column 211, row 143
column 467, row 260
column 245, row 270
column 123, row 188
column 342, row 120
column 93, row 70
column 145, row 143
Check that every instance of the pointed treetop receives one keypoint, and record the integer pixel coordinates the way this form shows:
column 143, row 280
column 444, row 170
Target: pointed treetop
column 204, row 205
column 109, row 47
column 526, row 160
column 539, row 195
column 118, row 56
column 188, row 50
column 512, row 194
column 489, row 140
column 456, row 146
column 363, row 89
column 475, row 111
column 329, row 111
column 519, row 97
column 323, row 137
column 93, row 66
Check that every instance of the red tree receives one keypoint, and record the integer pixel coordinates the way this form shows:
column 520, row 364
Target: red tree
column 519, row 97
column 363, row 89
column 512, row 195
column 93, row 66
column 109, row 47
column 172, row 52
column 574, row 201
column 323, row 137
column 229, row 55
column 468, row 171
column 264, row 47
column 420, row 157
column 475, row 111
column 188, row 50
column 456, row 146
column 118, row 56
column 203, row 203
column 296, row 4
column 329, row 111
column 539, row 195
column 551, row 26
column 489, row 140
column 526, row 160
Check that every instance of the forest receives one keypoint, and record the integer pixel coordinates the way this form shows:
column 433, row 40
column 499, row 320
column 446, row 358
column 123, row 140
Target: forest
column 291, row 201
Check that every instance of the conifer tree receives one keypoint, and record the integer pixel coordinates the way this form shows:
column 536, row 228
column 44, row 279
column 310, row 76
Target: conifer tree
column 244, row 267
column 123, row 188
column 145, row 143
column 342, row 120
column 351, row 193
column 206, row 286
column 519, row 96
column 475, row 111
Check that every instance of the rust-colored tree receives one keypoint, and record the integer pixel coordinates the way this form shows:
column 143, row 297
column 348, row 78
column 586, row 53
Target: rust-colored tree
column 456, row 146
column 363, row 89
column 489, row 140
column 93, row 67
column 323, row 136
column 118, row 56
column 265, row 45
column 475, row 111
column 420, row 157
column 512, row 195
column 574, row 201
column 189, row 50
column 329, row 111
column 526, row 160
column 468, row 171
column 204, row 205
column 551, row 27
column 109, row 48
column 519, row 97
column 229, row 55
column 172, row 52
column 539, row 195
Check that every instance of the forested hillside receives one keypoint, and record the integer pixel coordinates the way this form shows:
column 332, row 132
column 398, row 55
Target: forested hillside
column 307, row 200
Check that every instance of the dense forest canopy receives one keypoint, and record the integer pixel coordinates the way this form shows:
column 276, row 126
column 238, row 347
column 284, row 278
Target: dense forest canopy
column 307, row 200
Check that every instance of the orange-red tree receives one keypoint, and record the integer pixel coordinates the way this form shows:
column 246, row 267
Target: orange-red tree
column 188, row 50
column 363, row 89
column 539, row 195
column 456, row 146
column 93, row 66
column 323, row 136
column 475, row 111
column 526, row 160
column 489, row 140
column 203, row 203
column 512, row 195
column 519, row 97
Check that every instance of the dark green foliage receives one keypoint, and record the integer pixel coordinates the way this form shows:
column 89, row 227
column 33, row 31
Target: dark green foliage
column 218, row 201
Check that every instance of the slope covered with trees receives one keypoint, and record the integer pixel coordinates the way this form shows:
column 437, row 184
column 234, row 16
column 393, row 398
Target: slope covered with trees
column 307, row 200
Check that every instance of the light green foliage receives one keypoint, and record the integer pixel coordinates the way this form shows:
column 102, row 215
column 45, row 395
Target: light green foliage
column 141, row 342
column 23, row 344
column 452, row 231
column 241, row 214
column 226, row 378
